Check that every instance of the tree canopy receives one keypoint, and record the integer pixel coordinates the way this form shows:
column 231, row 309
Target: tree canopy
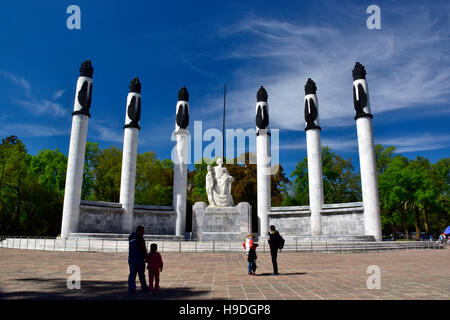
column 414, row 193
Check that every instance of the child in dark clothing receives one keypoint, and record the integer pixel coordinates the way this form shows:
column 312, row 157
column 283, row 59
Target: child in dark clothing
column 155, row 265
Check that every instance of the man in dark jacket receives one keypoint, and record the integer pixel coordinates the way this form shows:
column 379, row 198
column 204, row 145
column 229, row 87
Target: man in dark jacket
column 136, row 259
column 274, row 244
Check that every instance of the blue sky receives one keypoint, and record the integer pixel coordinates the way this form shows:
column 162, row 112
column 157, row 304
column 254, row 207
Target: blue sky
column 245, row 44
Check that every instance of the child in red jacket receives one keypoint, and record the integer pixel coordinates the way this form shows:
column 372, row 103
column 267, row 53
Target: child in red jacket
column 250, row 248
column 155, row 265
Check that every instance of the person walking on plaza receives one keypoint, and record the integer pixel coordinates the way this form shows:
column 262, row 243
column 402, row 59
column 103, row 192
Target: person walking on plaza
column 137, row 253
column 250, row 248
column 275, row 242
column 155, row 265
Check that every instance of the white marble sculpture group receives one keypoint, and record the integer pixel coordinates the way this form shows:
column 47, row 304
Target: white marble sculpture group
column 218, row 186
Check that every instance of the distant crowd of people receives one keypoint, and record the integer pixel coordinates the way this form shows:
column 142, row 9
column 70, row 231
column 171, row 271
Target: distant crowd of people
column 138, row 257
column 443, row 238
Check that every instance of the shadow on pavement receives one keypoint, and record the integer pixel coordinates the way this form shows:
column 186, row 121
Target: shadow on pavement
column 56, row 289
column 281, row 274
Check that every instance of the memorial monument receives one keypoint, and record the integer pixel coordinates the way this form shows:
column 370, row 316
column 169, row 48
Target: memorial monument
column 221, row 219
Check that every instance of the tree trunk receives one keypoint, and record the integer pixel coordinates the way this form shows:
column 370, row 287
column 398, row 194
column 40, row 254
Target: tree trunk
column 405, row 226
column 417, row 222
column 425, row 221
column 17, row 209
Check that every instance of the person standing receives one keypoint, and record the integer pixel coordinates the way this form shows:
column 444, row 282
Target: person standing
column 250, row 248
column 137, row 253
column 275, row 242
column 155, row 266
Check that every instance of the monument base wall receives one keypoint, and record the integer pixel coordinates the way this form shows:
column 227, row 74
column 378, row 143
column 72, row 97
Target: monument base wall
column 105, row 217
column 341, row 219
column 221, row 224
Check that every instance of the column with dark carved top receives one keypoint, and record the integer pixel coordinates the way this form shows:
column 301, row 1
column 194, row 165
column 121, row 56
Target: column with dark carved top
column 369, row 184
column 75, row 164
column 180, row 158
column 130, row 144
column 314, row 152
column 263, row 167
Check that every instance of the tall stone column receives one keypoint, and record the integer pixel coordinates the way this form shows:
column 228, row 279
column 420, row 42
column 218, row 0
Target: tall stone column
column 75, row 164
column 130, row 144
column 180, row 161
column 367, row 161
column 263, row 162
column 314, row 150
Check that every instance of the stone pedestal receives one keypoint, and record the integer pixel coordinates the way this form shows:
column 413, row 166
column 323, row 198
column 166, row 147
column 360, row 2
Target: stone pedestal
column 221, row 224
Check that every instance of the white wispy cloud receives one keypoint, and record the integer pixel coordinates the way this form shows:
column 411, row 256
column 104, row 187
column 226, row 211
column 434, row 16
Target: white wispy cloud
column 34, row 105
column 342, row 143
column 43, row 107
column 407, row 63
column 106, row 132
column 17, row 80
column 294, row 145
column 58, row 94
column 31, row 130
column 404, row 143
column 414, row 143
column 345, row 143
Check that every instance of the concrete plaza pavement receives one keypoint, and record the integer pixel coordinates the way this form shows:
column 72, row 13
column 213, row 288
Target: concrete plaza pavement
column 406, row 274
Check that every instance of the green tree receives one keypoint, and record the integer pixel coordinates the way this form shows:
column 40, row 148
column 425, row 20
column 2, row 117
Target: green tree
column 154, row 180
column 50, row 166
column 383, row 157
column 410, row 193
column 395, row 194
column 30, row 190
column 196, row 183
column 297, row 192
column 107, row 173
column 14, row 162
column 91, row 161
column 340, row 182
column 440, row 177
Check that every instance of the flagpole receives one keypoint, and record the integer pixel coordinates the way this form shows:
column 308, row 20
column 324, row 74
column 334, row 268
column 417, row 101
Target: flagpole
column 223, row 123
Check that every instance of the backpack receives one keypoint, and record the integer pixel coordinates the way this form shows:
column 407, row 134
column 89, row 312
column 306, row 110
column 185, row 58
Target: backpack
column 281, row 246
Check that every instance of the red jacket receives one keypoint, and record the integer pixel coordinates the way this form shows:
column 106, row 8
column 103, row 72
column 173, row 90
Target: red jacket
column 154, row 261
column 250, row 242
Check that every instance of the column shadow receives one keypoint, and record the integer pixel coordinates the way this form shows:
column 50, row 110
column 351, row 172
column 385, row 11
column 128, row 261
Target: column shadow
column 93, row 290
